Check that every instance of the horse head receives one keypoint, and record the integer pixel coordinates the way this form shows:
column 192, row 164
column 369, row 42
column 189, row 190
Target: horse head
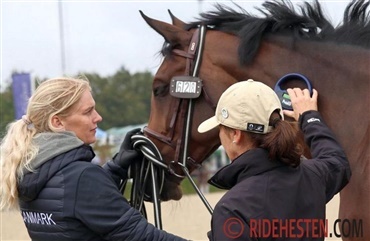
column 166, row 122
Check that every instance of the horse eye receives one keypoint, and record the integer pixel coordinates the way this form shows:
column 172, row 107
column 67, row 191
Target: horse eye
column 167, row 49
column 161, row 90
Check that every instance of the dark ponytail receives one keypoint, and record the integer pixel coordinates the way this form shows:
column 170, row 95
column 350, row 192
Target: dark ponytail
column 284, row 143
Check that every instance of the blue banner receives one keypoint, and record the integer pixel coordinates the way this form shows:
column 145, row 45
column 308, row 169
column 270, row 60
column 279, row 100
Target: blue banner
column 21, row 93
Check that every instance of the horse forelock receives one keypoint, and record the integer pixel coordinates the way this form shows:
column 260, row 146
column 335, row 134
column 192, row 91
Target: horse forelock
column 281, row 18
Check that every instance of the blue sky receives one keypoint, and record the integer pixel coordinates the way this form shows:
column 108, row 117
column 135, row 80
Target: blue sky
column 99, row 36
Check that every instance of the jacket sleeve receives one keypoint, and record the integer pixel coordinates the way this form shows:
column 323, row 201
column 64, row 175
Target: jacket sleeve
column 118, row 173
column 328, row 158
column 102, row 208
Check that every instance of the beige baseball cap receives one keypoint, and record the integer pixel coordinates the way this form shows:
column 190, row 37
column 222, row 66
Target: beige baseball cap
column 245, row 105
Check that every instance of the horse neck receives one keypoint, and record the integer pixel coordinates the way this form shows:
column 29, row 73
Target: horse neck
column 339, row 73
column 316, row 60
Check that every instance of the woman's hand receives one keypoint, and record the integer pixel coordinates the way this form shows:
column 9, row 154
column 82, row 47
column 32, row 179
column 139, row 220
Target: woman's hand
column 301, row 102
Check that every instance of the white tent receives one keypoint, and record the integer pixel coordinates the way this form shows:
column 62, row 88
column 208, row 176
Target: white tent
column 101, row 136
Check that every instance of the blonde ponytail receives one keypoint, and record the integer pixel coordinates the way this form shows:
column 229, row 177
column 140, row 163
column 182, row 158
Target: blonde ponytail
column 52, row 97
column 16, row 154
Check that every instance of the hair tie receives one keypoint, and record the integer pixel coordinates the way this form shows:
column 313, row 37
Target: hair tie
column 274, row 122
column 27, row 122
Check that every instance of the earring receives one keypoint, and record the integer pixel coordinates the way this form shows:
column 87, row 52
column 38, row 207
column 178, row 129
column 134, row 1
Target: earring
column 234, row 141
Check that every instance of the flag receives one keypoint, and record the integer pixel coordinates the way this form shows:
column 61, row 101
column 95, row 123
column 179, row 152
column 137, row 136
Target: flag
column 21, row 93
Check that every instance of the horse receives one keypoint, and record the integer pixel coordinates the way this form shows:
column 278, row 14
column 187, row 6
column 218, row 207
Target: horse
column 238, row 46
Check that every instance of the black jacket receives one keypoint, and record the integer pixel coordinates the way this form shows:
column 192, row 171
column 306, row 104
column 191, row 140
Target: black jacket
column 69, row 198
column 269, row 194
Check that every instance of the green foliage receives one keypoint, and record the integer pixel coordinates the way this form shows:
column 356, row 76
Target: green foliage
column 121, row 99
column 6, row 109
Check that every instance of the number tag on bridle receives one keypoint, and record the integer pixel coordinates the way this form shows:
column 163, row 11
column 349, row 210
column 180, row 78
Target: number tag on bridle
column 186, row 87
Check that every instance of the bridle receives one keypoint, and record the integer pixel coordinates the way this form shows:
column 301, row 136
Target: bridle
column 153, row 165
column 185, row 106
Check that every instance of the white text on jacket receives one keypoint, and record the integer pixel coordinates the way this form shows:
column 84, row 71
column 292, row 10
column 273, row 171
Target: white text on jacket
column 38, row 218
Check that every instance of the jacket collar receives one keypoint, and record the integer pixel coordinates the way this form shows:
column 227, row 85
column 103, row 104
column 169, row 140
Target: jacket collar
column 52, row 144
column 250, row 163
column 33, row 182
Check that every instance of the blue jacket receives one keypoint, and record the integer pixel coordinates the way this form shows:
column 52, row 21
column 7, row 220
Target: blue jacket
column 269, row 200
column 69, row 198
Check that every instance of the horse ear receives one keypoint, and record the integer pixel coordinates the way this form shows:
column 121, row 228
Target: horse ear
column 177, row 22
column 171, row 33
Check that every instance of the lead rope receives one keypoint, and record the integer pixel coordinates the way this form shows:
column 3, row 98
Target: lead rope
column 153, row 167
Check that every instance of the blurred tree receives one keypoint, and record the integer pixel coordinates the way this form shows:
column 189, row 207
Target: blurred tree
column 121, row 99
column 6, row 109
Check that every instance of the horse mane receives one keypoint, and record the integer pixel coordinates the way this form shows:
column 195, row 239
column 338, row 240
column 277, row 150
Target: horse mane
column 281, row 18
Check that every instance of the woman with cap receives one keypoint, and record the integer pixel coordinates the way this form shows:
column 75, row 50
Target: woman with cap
column 273, row 192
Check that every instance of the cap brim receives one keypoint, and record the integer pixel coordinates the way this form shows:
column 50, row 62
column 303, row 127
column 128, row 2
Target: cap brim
column 208, row 125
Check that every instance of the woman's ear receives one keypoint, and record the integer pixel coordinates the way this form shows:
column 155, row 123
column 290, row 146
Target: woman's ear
column 56, row 122
column 237, row 136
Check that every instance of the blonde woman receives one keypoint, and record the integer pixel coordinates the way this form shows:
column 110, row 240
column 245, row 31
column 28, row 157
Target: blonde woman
column 47, row 171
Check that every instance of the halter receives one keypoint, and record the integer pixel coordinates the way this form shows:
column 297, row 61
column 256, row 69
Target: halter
column 154, row 159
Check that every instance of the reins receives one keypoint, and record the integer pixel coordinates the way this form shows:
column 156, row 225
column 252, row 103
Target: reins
column 153, row 168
